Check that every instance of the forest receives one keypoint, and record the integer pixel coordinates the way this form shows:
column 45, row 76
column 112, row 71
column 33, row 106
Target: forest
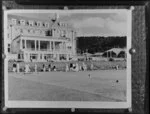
column 94, row 44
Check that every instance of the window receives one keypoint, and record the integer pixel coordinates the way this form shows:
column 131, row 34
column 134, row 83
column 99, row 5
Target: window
column 14, row 21
column 35, row 24
column 41, row 56
column 38, row 23
column 19, row 22
column 46, row 25
column 30, row 23
column 41, row 31
column 21, row 31
column 22, row 22
column 23, row 44
column 31, row 31
column 27, row 23
column 48, row 33
column 8, row 47
column 8, row 35
column 63, row 33
column 43, row 24
column 28, row 30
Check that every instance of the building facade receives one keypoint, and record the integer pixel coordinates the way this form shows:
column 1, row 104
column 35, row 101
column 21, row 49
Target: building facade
column 40, row 40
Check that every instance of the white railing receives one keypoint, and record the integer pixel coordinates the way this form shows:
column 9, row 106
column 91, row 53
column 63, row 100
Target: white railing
column 48, row 50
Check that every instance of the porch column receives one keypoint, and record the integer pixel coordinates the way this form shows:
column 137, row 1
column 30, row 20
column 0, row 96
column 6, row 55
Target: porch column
column 39, row 45
column 67, row 57
column 35, row 45
column 58, row 57
column 53, row 45
column 20, row 43
column 50, row 45
column 25, row 44
column 64, row 46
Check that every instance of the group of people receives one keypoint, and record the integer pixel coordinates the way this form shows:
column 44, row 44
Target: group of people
column 76, row 67
column 69, row 67
column 27, row 68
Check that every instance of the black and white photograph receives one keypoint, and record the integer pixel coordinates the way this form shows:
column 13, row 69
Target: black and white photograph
column 68, row 58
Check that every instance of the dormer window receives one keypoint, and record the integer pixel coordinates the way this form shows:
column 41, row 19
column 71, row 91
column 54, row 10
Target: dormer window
column 43, row 24
column 19, row 22
column 22, row 22
column 38, row 23
column 46, row 25
column 21, row 31
column 35, row 24
column 14, row 21
column 30, row 23
column 27, row 23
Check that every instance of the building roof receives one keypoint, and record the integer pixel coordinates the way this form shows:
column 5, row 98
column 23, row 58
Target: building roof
column 55, row 24
column 98, row 53
column 116, row 50
column 41, row 37
column 27, row 18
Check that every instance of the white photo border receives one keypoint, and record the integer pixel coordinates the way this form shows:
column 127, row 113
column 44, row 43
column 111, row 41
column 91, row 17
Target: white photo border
column 70, row 104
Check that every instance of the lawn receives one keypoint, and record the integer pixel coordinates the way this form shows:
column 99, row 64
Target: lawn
column 68, row 86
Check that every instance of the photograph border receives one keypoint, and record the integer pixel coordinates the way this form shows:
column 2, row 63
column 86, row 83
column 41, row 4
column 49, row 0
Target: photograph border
column 71, row 104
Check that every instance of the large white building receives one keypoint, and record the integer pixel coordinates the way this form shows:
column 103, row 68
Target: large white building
column 40, row 40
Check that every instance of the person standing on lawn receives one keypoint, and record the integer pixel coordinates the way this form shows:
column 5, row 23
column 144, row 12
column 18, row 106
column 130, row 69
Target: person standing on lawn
column 84, row 66
column 92, row 66
column 26, row 68
column 77, row 67
column 35, row 68
column 67, row 68
column 49, row 67
column 14, row 67
column 44, row 68
column 18, row 68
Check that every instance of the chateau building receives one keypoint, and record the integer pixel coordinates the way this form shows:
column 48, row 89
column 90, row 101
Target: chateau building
column 40, row 40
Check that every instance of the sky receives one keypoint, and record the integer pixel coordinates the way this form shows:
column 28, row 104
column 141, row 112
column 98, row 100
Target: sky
column 90, row 24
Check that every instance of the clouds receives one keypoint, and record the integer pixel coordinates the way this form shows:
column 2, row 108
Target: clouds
column 115, row 24
column 89, row 22
column 117, row 27
column 103, row 24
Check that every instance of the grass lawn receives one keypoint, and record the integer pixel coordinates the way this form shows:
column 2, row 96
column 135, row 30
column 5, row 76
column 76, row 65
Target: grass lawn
column 68, row 86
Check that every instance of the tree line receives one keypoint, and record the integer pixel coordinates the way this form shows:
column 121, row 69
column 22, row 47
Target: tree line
column 93, row 44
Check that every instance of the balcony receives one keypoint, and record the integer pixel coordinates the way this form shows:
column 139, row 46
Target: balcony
column 49, row 50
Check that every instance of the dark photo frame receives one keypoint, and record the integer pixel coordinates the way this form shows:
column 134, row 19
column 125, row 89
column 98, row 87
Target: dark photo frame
column 139, row 50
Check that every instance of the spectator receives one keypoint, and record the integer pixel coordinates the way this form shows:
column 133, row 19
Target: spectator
column 84, row 66
column 54, row 68
column 18, row 68
column 71, row 66
column 92, row 66
column 67, row 68
column 14, row 67
column 35, row 67
column 49, row 67
column 44, row 68
column 77, row 67
column 117, row 67
column 74, row 66
column 27, row 68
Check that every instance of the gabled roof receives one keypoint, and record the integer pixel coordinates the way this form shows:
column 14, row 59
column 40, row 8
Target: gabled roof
column 41, row 37
column 52, row 24
column 116, row 50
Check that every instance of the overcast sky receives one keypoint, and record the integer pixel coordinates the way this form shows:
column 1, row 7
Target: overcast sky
column 93, row 24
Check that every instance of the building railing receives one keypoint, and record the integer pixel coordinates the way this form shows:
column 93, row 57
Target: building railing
column 49, row 50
